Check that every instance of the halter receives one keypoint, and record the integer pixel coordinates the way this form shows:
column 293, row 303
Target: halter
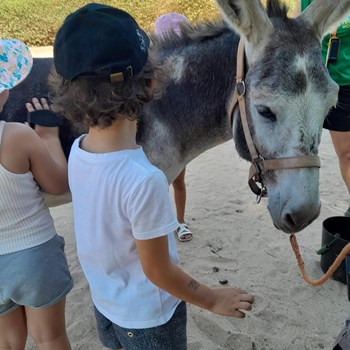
column 260, row 165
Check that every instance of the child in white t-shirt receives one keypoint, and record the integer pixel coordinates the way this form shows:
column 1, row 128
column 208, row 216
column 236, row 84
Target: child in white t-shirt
column 123, row 216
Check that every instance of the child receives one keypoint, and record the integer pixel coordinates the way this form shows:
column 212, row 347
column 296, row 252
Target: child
column 123, row 217
column 34, row 275
column 162, row 25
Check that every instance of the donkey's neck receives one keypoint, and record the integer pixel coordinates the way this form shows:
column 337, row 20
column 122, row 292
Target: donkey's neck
column 191, row 117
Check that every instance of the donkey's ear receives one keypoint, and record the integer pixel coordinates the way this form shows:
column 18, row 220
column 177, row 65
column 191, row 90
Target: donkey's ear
column 247, row 17
column 323, row 15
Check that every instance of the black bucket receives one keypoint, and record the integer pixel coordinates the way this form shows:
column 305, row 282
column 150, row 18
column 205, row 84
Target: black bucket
column 335, row 236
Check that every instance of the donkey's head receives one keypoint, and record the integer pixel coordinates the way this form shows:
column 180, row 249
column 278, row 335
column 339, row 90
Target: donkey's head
column 288, row 94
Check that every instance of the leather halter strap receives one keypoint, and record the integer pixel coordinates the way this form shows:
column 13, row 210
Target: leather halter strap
column 260, row 165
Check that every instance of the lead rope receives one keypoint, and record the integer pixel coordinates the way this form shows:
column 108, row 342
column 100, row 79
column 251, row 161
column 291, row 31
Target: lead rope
column 328, row 274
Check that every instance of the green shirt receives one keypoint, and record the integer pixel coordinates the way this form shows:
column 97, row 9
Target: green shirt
column 339, row 70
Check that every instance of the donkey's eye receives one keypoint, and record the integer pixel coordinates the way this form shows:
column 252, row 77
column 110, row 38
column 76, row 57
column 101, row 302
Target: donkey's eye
column 266, row 113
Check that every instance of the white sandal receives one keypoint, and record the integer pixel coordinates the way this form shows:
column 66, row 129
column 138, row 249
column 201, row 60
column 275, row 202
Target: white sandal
column 183, row 233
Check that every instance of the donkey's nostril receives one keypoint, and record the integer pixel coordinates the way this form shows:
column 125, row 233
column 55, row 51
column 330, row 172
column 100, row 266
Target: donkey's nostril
column 290, row 220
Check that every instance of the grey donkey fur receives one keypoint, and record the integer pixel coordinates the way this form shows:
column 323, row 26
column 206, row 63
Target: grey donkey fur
column 288, row 94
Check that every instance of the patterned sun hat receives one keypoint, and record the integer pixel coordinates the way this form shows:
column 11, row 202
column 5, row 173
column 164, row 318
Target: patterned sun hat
column 15, row 63
column 169, row 21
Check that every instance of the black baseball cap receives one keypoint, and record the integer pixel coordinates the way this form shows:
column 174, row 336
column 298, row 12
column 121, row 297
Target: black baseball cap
column 100, row 42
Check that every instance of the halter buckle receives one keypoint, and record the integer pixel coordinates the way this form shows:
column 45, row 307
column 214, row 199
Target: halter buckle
column 240, row 88
column 263, row 193
column 259, row 170
column 259, row 167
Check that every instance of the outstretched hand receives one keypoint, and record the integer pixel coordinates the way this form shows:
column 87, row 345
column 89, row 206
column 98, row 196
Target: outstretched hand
column 38, row 105
column 231, row 302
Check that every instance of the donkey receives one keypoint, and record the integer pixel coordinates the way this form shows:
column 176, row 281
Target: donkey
column 288, row 93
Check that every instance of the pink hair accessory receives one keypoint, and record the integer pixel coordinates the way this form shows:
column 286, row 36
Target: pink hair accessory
column 169, row 21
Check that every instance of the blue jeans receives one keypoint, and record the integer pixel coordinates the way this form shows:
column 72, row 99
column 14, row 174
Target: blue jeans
column 169, row 336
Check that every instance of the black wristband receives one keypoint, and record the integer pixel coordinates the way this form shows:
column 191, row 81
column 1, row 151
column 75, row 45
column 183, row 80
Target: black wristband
column 44, row 117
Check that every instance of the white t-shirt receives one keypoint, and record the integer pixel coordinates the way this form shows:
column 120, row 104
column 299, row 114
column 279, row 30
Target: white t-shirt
column 117, row 197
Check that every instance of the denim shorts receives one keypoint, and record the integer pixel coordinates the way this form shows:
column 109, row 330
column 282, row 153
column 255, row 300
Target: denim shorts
column 37, row 277
column 169, row 336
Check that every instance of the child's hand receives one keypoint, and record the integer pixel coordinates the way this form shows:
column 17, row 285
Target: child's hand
column 231, row 302
column 43, row 131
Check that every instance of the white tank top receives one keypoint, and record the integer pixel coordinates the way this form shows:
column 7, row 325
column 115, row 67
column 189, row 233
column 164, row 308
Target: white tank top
column 25, row 220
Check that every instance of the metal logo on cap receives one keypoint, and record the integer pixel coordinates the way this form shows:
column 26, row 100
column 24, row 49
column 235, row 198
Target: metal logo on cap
column 119, row 76
column 116, row 77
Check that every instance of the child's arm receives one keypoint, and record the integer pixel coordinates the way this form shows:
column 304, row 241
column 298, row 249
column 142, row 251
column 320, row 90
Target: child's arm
column 47, row 160
column 22, row 150
column 159, row 269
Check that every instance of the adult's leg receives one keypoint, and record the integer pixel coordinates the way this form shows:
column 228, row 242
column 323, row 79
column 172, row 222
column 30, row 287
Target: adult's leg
column 13, row 330
column 341, row 142
column 180, row 196
column 47, row 327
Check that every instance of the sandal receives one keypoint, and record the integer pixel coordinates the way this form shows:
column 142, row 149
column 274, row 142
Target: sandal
column 183, row 233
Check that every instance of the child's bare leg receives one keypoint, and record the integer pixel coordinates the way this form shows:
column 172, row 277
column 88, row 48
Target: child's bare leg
column 180, row 196
column 13, row 330
column 48, row 327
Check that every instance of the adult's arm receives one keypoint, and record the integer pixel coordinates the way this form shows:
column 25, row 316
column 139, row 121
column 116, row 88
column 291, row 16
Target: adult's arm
column 297, row 9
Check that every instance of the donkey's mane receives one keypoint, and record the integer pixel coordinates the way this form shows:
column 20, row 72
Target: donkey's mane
column 202, row 31
column 275, row 8
column 189, row 34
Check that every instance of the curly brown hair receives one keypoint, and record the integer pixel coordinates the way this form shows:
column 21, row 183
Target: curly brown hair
column 86, row 103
